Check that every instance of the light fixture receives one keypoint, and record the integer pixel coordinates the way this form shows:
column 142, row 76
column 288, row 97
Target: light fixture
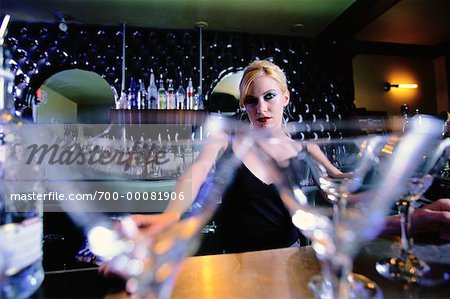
column 63, row 25
column 388, row 86
column 296, row 27
column 62, row 19
column 201, row 25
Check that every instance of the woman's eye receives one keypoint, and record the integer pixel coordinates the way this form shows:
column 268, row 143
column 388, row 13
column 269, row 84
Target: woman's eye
column 250, row 101
column 269, row 96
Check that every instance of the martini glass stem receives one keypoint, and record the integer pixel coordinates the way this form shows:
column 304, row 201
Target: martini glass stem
column 336, row 213
column 335, row 274
column 339, row 209
column 405, row 211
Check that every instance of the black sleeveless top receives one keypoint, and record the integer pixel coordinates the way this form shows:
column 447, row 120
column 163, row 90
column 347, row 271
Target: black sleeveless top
column 252, row 216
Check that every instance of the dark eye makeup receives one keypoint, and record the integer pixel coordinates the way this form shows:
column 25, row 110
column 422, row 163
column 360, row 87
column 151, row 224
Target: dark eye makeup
column 269, row 96
column 251, row 100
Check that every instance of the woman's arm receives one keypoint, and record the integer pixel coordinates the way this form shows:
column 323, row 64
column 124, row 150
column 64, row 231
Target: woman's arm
column 189, row 183
column 318, row 155
column 186, row 187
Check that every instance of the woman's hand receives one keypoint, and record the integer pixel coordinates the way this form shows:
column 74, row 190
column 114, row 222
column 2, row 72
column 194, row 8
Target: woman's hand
column 148, row 225
column 343, row 175
column 430, row 222
column 433, row 219
column 152, row 224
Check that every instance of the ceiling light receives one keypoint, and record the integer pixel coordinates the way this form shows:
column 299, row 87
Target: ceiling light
column 296, row 27
column 201, row 24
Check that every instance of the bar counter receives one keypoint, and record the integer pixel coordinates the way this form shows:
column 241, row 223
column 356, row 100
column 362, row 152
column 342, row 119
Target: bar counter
column 279, row 273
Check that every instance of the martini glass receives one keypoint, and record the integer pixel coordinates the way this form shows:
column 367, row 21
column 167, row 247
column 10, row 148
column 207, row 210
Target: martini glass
column 408, row 267
column 149, row 259
column 375, row 181
column 363, row 159
column 355, row 160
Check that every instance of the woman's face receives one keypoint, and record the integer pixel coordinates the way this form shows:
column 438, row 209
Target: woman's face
column 265, row 102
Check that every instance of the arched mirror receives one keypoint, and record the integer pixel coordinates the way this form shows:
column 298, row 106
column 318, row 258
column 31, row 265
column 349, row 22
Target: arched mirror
column 74, row 96
column 70, row 97
column 224, row 96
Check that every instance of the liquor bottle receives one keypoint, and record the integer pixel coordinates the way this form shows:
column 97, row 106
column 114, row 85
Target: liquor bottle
column 201, row 102
column 198, row 100
column 21, row 271
column 123, row 100
column 132, row 95
column 180, row 97
column 115, row 95
column 142, row 96
column 190, row 95
column 152, row 93
column 170, row 96
column 162, row 96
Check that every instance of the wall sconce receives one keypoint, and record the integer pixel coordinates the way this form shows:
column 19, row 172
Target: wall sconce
column 388, row 86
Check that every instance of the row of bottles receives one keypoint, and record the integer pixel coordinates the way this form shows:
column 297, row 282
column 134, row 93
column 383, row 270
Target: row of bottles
column 154, row 97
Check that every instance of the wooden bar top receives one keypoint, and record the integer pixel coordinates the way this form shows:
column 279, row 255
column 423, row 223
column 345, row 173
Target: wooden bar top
column 279, row 273
column 285, row 273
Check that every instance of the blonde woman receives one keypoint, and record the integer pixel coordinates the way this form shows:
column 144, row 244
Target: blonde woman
column 252, row 215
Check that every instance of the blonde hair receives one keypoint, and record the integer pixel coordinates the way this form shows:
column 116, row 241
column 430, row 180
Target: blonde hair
column 256, row 69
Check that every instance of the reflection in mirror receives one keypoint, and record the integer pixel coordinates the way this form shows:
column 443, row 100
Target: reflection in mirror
column 224, row 97
column 74, row 96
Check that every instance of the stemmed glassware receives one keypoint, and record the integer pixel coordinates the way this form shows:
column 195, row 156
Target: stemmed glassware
column 379, row 171
column 361, row 157
column 148, row 259
column 408, row 267
column 361, row 160
column 354, row 159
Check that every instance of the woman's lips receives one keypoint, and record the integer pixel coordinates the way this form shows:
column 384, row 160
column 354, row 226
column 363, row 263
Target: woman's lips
column 264, row 119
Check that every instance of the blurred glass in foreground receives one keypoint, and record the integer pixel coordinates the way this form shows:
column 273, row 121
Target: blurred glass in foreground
column 148, row 259
column 377, row 175
column 21, row 271
column 408, row 267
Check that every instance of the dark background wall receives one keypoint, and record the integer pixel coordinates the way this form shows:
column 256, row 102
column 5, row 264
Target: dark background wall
column 320, row 77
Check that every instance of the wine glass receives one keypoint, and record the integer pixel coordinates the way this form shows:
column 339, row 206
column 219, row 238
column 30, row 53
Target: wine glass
column 408, row 267
column 337, row 241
